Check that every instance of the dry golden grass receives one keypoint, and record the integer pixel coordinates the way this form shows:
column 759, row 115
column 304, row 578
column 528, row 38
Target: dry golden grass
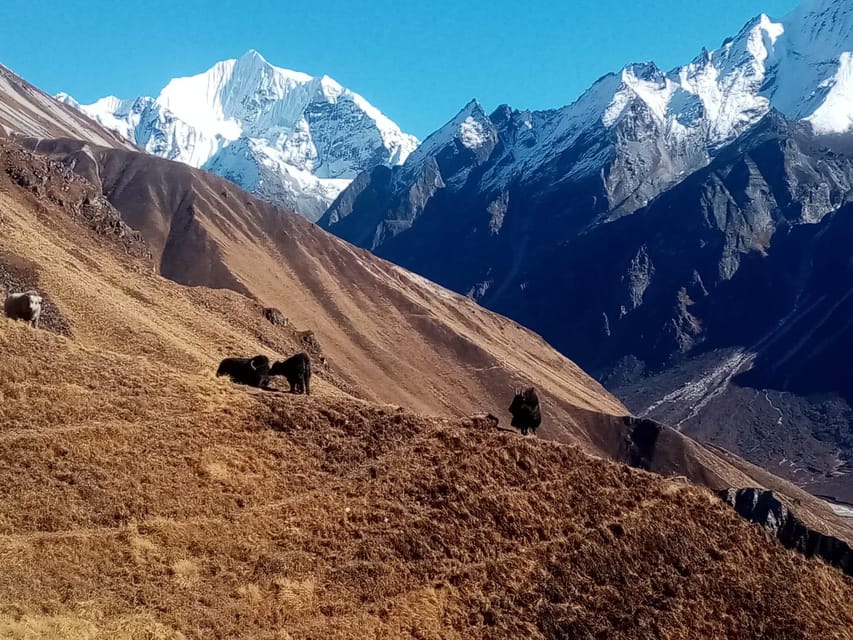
column 342, row 519
column 185, row 572
column 391, row 336
column 38, row 627
column 141, row 497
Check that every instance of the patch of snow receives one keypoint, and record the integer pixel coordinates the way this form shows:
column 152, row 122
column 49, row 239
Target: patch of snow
column 472, row 134
column 774, row 407
column 471, row 127
column 66, row 99
column 835, row 114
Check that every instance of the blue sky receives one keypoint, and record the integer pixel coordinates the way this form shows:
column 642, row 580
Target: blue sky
column 419, row 62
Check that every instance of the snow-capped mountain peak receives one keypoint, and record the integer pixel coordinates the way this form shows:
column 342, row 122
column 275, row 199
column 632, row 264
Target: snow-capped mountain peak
column 290, row 123
column 471, row 128
column 630, row 137
column 801, row 66
column 814, row 66
column 65, row 98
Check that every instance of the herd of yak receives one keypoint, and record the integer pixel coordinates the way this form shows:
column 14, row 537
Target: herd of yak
column 257, row 371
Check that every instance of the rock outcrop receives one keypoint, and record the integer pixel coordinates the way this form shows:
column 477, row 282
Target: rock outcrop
column 766, row 509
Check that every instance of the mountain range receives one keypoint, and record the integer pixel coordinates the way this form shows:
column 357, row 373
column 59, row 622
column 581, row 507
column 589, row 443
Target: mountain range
column 670, row 230
column 143, row 496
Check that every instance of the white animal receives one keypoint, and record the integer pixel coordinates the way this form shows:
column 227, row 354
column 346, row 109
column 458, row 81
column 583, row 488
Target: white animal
column 24, row 306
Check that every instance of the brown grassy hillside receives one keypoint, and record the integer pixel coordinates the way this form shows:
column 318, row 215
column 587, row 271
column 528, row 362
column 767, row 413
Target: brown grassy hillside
column 143, row 501
column 141, row 497
column 392, row 336
column 395, row 337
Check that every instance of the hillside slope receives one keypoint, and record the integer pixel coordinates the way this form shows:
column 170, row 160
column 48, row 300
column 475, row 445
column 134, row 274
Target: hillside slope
column 723, row 297
column 142, row 497
column 24, row 107
column 389, row 335
column 396, row 337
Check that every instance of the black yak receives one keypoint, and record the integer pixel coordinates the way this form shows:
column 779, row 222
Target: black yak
column 254, row 372
column 526, row 414
column 297, row 370
column 24, row 306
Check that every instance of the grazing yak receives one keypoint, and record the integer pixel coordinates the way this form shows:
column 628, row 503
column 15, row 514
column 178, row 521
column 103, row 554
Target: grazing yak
column 24, row 306
column 254, row 372
column 297, row 370
column 526, row 414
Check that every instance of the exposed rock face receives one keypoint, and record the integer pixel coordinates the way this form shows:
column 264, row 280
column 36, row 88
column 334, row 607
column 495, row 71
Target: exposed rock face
column 387, row 203
column 55, row 182
column 275, row 317
column 638, row 278
column 764, row 508
column 647, row 448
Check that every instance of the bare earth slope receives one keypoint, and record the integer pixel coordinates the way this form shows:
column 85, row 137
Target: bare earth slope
column 141, row 497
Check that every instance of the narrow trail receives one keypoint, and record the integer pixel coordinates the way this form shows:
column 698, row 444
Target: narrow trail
column 132, row 526
column 10, row 435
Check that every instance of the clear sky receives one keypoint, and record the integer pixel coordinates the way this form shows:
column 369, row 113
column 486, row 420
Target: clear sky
column 417, row 61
